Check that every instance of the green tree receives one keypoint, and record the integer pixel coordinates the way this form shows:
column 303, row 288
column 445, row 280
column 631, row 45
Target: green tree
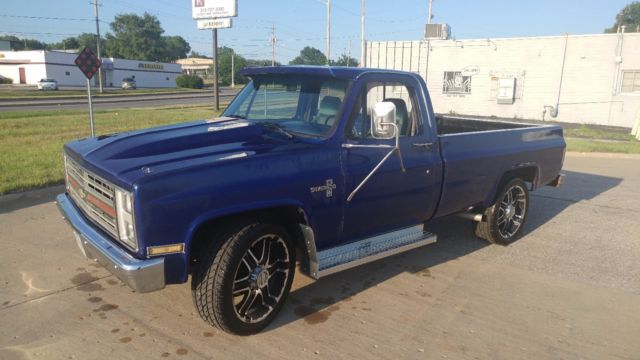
column 140, row 38
column 258, row 62
column 90, row 40
column 309, row 56
column 195, row 54
column 66, row 44
column 224, row 64
column 175, row 47
column 135, row 37
column 345, row 60
column 629, row 16
column 14, row 42
column 24, row 44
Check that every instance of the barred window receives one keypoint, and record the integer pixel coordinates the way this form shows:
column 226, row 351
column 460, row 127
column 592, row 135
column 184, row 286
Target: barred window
column 630, row 81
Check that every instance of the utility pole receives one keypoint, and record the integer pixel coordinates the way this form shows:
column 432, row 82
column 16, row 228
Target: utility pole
column 216, row 94
column 349, row 54
column 328, row 31
column 95, row 7
column 273, row 44
column 233, row 70
column 430, row 13
column 363, row 43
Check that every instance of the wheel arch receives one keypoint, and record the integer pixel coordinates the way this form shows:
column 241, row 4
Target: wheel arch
column 291, row 215
column 528, row 172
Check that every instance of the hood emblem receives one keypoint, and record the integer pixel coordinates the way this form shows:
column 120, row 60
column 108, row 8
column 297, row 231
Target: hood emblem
column 328, row 188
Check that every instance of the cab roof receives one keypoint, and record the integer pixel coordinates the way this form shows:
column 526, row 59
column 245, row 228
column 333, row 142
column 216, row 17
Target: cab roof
column 343, row 72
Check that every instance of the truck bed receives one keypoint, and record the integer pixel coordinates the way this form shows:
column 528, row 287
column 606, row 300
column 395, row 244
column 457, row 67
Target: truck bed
column 476, row 154
column 455, row 125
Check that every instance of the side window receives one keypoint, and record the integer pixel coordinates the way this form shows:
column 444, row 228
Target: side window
column 402, row 96
column 275, row 101
column 330, row 99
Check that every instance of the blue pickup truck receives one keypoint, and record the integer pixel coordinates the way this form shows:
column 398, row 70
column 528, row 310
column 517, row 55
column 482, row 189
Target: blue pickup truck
column 325, row 167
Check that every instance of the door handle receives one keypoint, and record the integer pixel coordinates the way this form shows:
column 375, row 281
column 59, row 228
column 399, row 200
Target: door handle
column 427, row 145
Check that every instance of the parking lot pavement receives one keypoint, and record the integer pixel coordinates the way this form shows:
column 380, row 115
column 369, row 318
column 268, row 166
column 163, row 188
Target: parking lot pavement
column 569, row 288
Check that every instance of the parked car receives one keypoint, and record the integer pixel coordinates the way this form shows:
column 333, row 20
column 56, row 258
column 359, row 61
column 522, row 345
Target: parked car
column 47, row 84
column 326, row 167
column 128, row 84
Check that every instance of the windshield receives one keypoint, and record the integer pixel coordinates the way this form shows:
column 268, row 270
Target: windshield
column 306, row 105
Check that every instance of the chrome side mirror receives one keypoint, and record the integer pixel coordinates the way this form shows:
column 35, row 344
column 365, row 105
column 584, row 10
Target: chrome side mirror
column 383, row 126
column 383, row 120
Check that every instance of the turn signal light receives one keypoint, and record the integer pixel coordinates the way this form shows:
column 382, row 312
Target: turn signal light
column 165, row 249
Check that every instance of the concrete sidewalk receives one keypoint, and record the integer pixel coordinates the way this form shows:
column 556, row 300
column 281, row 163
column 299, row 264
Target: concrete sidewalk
column 570, row 288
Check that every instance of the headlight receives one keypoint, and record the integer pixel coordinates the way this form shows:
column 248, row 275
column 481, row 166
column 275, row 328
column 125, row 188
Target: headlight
column 126, row 223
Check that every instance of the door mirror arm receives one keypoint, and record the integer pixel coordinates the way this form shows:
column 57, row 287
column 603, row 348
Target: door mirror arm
column 379, row 124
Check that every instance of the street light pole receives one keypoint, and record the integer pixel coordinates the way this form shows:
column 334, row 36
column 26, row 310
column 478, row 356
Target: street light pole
column 216, row 94
column 328, row 31
column 363, row 44
column 273, row 44
column 95, row 7
column 233, row 70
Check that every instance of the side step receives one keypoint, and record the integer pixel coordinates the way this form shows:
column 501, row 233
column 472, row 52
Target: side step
column 370, row 249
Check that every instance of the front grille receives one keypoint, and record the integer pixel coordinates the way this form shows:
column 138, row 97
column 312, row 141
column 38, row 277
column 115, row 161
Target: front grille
column 93, row 195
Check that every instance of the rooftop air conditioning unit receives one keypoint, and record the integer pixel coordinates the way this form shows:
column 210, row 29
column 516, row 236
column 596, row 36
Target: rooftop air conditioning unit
column 437, row 31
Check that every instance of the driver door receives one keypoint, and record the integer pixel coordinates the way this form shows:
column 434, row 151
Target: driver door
column 391, row 198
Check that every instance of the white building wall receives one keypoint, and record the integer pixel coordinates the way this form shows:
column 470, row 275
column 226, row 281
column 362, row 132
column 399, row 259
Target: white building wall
column 59, row 65
column 31, row 61
column 146, row 73
column 591, row 77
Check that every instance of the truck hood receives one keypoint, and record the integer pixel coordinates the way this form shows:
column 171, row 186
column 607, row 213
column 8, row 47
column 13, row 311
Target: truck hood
column 126, row 157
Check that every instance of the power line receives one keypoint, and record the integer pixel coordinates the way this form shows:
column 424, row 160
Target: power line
column 44, row 17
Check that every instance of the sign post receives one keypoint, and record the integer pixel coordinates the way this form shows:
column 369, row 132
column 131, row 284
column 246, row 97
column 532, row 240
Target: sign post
column 216, row 91
column 89, row 64
column 214, row 14
column 93, row 128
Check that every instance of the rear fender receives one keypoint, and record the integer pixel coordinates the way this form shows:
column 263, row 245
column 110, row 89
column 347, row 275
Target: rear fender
column 529, row 172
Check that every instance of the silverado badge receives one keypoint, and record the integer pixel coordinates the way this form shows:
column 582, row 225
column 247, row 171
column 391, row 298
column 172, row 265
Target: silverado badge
column 328, row 188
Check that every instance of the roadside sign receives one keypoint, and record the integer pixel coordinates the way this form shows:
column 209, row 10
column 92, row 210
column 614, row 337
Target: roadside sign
column 88, row 62
column 211, row 9
column 205, row 24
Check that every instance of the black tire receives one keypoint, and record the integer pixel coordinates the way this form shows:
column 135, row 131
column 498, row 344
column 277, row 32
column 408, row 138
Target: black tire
column 502, row 224
column 229, row 265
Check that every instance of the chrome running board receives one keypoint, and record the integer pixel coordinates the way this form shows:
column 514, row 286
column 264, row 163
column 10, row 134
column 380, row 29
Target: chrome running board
column 370, row 249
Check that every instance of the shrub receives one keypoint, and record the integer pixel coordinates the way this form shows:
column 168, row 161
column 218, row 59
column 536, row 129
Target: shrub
column 189, row 81
column 4, row 80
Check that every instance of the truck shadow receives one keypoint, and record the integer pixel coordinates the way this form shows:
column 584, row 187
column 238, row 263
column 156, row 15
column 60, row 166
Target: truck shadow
column 316, row 301
column 17, row 201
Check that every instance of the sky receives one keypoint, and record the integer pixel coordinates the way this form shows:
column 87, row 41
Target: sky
column 302, row 23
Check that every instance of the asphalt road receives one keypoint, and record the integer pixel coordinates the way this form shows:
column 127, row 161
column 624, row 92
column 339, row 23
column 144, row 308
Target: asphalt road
column 569, row 289
column 118, row 102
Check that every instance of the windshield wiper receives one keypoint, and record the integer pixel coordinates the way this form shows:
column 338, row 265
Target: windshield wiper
column 279, row 128
column 237, row 116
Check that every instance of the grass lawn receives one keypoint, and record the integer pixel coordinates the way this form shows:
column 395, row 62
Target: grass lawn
column 592, row 132
column 11, row 94
column 591, row 145
column 31, row 141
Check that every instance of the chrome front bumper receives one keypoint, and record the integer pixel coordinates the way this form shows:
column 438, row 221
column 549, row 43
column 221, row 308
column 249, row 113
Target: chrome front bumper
column 141, row 275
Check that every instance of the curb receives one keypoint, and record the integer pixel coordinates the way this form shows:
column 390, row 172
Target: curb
column 31, row 197
column 115, row 99
column 601, row 155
